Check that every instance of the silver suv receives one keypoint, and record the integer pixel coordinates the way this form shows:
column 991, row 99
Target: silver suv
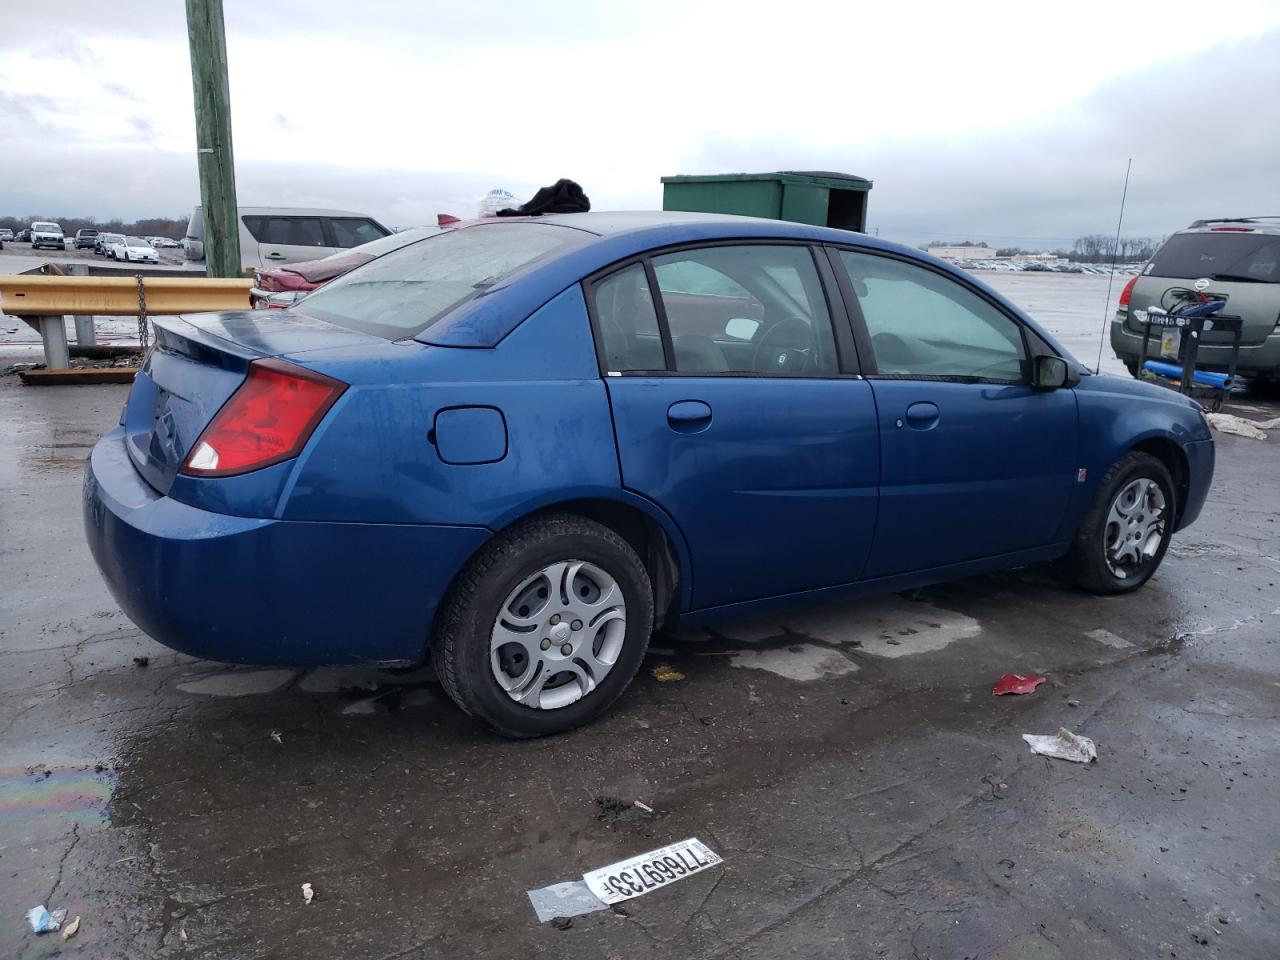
column 1241, row 259
column 275, row 235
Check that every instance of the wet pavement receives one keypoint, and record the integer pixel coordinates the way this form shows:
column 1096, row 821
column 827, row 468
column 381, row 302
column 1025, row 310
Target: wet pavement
column 869, row 796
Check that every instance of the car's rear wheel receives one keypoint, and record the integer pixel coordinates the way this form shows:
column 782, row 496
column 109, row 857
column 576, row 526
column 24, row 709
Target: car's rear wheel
column 1126, row 530
column 545, row 627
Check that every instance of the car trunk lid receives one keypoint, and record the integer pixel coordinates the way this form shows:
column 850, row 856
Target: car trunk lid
column 197, row 363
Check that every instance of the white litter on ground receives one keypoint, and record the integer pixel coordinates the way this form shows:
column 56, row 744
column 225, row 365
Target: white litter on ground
column 1239, row 426
column 1064, row 746
column 1107, row 638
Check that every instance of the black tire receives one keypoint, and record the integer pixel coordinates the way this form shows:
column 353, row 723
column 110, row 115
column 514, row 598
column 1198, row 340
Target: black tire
column 1132, row 367
column 1086, row 562
column 460, row 647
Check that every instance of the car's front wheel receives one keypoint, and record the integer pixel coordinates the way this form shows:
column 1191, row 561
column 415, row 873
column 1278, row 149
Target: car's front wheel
column 1127, row 528
column 545, row 627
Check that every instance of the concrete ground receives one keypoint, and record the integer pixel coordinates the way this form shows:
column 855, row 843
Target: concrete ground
column 869, row 796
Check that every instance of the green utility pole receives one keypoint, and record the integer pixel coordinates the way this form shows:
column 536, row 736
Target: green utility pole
column 213, row 137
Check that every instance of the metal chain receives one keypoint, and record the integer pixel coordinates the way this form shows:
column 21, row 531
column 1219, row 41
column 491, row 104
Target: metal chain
column 143, row 334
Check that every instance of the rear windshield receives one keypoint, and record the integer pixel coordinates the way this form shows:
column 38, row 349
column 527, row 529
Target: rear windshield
column 404, row 292
column 1247, row 257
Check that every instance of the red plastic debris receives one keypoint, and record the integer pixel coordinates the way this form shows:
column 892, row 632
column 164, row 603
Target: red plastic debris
column 1016, row 683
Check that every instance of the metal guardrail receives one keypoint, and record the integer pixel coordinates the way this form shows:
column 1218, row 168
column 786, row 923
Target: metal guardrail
column 42, row 296
column 44, row 301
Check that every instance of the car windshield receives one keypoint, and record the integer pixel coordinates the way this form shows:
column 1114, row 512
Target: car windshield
column 46, row 227
column 1250, row 257
column 404, row 292
column 137, row 242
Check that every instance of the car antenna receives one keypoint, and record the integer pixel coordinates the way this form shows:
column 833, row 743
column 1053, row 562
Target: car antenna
column 1115, row 250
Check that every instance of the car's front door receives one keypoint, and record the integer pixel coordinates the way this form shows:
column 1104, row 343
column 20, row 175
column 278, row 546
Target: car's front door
column 735, row 412
column 975, row 461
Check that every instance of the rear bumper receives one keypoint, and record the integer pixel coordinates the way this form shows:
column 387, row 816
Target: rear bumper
column 1255, row 358
column 246, row 590
column 1200, row 460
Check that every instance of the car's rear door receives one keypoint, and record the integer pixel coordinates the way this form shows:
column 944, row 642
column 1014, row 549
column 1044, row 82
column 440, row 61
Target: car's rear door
column 736, row 412
column 288, row 238
column 974, row 461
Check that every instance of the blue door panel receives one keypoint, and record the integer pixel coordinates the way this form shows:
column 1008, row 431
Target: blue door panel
column 969, row 470
column 771, row 480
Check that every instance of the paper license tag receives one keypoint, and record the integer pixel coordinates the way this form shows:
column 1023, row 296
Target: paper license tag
column 636, row 876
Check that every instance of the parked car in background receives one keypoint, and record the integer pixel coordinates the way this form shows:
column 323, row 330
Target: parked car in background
column 104, row 243
column 24, row 235
column 515, row 445
column 275, row 235
column 134, row 250
column 45, row 233
column 1240, row 260
column 6, row 233
column 280, row 287
column 85, row 239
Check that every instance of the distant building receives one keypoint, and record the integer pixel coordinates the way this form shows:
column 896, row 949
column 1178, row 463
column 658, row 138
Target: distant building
column 960, row 254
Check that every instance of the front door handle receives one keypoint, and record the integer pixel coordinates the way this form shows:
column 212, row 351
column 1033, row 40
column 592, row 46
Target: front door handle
column 922, row 415
column 689, row 416
column 275, row 256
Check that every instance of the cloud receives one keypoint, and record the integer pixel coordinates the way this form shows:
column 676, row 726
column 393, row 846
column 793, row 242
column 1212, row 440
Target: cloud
column 122, row 93
column 284, row 123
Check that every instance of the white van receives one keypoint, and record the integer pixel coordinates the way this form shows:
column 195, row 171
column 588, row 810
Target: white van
column 275, row 235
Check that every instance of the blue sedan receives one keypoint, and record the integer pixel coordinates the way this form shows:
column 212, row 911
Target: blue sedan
column 519, row 446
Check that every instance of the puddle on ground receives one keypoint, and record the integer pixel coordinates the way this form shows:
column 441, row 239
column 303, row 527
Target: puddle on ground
column 800, row 662
column 239, row 683
column 49, row 801
column 817, row 642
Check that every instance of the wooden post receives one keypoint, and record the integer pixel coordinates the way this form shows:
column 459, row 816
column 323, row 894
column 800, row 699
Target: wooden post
column 213, row 137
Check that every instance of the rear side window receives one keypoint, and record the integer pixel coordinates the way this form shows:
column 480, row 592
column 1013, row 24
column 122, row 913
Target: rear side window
column 1248, row 257
column 628, row 322
column 404, row 292
column 353, row 231
column 287, row 231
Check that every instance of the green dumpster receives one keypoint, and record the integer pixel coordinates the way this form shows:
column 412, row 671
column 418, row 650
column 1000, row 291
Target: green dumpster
column 803, row 196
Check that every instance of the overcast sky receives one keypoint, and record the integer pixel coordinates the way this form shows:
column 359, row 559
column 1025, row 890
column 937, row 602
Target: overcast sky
column 1009, row 122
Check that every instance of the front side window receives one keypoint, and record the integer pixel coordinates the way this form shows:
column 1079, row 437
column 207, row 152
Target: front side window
column 755, row 309
column 353, row 231
column 287, row 231
column 925, row 325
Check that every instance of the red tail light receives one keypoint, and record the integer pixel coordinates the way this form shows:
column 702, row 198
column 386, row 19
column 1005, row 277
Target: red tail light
column 267, row 420
column 1231, row 229
column 1127, row 292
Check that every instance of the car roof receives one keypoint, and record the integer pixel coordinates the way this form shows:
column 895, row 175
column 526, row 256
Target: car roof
column 484, row 320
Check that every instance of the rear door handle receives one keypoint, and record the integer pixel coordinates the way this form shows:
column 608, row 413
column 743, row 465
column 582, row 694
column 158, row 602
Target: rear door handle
column 689, row 416
column 922, row 415
column 275, row 256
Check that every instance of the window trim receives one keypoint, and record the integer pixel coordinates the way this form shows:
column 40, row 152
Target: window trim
column 847, row 354
column 862, row 335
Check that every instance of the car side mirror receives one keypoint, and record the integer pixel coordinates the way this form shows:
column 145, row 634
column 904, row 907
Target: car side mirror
column 1053, row 372
column 741, row 328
